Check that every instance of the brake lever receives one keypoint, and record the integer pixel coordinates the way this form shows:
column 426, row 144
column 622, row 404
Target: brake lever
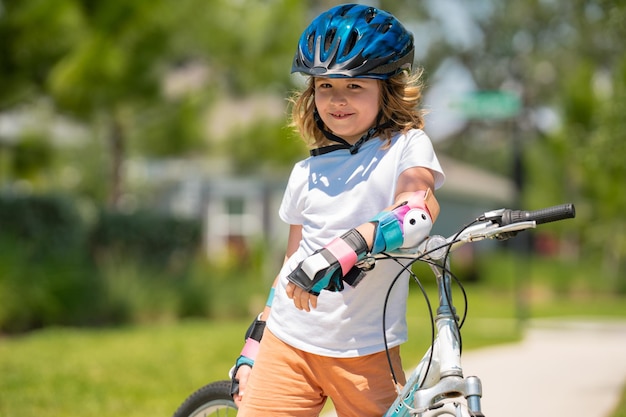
column 492, row 230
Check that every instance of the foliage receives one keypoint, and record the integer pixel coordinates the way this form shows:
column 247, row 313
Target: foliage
column 41, row 224
column 46, row 290
column 174, row 128
column 565, row 61
column 584, row 157
column 27, row 54
column 265, row 146
column 147, row 237
column 247, row 45
column 57, row 269
column 111, row 61
column 33, row 154
column 45, row 276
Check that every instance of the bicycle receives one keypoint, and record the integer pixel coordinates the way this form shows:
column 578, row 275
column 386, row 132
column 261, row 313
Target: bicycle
column 437, row 385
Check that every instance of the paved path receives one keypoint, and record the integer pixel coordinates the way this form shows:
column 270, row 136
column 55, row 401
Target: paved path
column 560, row 369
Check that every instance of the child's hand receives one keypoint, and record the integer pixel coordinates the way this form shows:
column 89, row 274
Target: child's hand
column 317, row 272
column 242, row 377
column 302, row 299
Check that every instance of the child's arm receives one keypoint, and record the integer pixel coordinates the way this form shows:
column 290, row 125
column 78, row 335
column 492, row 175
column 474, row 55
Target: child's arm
column 405, row 223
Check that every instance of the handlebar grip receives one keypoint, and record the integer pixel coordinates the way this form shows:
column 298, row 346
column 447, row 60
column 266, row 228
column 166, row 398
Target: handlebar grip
column 545, row 215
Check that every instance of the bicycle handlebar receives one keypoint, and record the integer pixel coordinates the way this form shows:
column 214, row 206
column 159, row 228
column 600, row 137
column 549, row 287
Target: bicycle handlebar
column 545, row 215
column 500, row 224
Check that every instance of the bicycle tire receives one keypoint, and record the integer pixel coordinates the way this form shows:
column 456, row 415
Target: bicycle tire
column 212, row 400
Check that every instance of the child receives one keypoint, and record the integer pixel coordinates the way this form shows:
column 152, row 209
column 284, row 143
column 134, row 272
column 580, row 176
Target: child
column 371, row 168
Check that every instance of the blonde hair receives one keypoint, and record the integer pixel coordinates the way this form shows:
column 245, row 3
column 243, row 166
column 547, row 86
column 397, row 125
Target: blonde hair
column 399, row 102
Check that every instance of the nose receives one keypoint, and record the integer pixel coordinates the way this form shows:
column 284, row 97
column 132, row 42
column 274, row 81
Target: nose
column 338, row 97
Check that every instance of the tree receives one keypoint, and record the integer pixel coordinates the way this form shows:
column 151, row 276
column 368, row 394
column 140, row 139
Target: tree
column 592, row 99
column 27, row 54
column 113, row 72
column 566, row 59
column 110, row 59
column 26, row 58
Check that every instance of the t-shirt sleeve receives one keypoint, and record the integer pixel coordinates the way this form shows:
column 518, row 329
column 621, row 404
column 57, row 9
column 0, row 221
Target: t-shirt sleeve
column 419, row 152
column 291, row 206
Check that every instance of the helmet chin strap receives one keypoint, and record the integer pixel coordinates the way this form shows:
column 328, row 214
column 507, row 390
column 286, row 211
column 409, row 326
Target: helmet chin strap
column 342, row 143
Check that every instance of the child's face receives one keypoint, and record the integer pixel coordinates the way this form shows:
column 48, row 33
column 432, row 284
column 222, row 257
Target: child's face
column 347, row 106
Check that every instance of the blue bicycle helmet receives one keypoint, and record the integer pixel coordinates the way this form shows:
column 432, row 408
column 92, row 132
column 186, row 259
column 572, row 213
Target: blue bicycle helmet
column 354, row 40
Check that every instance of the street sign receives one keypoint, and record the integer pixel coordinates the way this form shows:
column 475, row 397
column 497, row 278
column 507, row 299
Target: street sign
column 488, row 105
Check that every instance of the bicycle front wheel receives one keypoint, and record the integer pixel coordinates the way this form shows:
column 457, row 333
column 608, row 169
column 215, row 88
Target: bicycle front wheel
column 212, row 400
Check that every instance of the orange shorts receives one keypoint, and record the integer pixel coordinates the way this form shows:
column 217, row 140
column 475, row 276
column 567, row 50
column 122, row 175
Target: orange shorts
column 292, row 383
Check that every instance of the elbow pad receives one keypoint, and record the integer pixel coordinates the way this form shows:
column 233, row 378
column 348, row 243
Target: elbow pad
column 407, row 224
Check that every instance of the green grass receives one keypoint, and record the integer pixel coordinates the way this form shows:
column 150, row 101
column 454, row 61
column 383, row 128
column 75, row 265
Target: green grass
column 133, row 371
column 148, row 370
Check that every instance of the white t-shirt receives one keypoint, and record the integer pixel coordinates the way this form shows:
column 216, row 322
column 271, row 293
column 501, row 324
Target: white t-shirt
column 328, row 195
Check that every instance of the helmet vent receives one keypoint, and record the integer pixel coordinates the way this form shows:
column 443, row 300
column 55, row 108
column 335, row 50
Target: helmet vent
column 311, row 42
column 330, row 37
column 385, row 28
column 351, row 42
column 370, row 14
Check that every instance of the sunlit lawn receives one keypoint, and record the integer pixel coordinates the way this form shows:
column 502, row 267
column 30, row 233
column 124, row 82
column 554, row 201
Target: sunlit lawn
column 138, row 371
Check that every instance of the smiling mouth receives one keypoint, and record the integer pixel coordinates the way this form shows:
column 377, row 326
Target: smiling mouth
column 341, row 115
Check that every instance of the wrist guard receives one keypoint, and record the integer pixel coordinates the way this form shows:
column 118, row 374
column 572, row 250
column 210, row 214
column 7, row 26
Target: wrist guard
column 248, row 354
column 325, row 267
column 407, row 224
